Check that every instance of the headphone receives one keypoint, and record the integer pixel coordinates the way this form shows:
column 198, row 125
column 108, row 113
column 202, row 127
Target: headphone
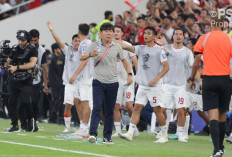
column 27, row 35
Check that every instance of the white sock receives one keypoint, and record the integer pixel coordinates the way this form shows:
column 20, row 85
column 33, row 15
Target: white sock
column 169, row 112
column 67, row 122
column 164, row 131
column 118, row 127
column 131, row 129
column 81, row 124
column 180, row 131
column 85, row 126
column 186, row 125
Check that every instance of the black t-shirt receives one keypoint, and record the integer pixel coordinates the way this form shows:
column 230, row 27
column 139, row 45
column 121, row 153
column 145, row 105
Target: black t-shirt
column 55, row 68
column 44, row 58
column 23, row 56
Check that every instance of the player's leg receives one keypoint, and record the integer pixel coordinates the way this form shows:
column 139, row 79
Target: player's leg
column 117, row 114
column 141, row 100
column 68, row 101
column 156, row 99
column 180, row 102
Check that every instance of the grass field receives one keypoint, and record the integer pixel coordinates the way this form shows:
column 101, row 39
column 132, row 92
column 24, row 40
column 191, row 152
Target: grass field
column 45, row 144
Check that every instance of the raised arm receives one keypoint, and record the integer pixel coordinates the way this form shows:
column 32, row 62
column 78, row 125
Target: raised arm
column 125, row 46
column 55, row 36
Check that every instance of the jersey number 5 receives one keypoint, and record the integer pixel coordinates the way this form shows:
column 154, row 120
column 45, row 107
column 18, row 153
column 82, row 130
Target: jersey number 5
column 154, row 100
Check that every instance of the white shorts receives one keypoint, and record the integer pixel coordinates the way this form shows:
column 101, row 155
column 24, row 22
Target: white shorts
column 194, row 101
column 85, row 90
column 174, row 96
column 152, row 94
column 125, row 93
column 70, row 92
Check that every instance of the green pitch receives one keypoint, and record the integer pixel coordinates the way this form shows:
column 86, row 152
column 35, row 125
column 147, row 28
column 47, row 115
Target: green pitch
column 45, row 144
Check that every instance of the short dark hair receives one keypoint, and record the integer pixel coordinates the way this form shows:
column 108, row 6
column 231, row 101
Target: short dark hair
column 93, row 24
column 119, row 16
column 192, row 16
column 168, row 17
column 108, row 13
column 178, row 28
column 55, row 46
column 193, row 41
column 140, row 18
column 106, row 26
column 183, row 17
column 156, row 19
column 117, row 26
column 152, row 29
column 84, row 28
column 34, row 33
column 75, row 36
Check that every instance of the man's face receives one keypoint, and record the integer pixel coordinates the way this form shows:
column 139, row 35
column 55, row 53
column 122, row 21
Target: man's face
column 57, row 51
column 167, row 22
column 76, row 42
column 190, row 22
column 107, row 35
column 111, row 18
column 141, row 23
column 22, row 43
column 179, row 21
column 203, row 13
column 117, row 33
column 178, row 37
column 35, row 41
column 189, row 45
column 207, row 29
column 148, row 36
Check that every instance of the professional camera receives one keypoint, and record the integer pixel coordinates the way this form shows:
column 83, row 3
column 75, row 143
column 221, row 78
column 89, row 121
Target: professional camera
column 5, row 51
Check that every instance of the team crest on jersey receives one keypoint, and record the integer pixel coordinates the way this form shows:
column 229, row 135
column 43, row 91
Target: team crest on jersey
column 164, row 56
column 99, row 48
column 84, row 48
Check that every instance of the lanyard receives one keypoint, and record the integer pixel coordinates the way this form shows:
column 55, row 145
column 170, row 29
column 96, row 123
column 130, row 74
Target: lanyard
column 107, row 50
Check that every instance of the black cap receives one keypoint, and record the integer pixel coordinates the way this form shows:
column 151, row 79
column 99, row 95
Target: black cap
column 23, row 35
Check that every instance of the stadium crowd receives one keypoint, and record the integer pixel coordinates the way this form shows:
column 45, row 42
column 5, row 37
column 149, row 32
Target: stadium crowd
column 168, row 22
column 6, row 7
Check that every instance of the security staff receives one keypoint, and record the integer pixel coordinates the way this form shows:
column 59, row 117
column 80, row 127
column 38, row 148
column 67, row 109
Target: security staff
column 56, row 67
column 20, row 66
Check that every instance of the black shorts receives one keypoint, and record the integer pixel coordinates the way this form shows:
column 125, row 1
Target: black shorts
column 216, row 92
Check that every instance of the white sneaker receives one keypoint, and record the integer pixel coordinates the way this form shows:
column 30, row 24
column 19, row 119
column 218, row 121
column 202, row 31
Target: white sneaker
column 82, row 132
column 115, row 135
column 159, row 135
column 136, row 132
column 92, row 139
column 85, row 132
column 162, row 140
column 182, row 139
column 186, row 136
column 66, row 130
column 125, row 136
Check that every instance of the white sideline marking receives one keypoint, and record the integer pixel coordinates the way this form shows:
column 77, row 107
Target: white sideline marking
column 40, row 136
column 58, row 149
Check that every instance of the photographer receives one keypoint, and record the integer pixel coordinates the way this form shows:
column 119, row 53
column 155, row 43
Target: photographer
column 41, row 67
column 20, row 65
